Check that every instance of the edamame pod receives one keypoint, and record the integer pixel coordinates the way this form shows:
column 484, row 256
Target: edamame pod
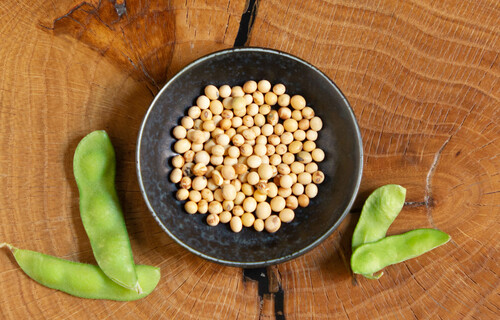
column 94, row 169
column 378, row 213
column 372, row 257
column 80, row 279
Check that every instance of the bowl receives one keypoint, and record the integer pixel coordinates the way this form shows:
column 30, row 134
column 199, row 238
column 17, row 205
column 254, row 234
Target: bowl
column 340, row 139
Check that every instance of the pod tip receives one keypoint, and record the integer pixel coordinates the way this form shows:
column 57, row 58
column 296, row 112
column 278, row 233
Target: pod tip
column 138, row 288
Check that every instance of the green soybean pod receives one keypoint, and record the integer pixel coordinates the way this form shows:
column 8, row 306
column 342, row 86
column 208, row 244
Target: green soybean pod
column 378, row 213
column 372, row 257
column 80, row 279
column 94, row 169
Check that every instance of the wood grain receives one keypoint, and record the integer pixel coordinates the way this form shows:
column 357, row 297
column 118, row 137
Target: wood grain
column 421, row 76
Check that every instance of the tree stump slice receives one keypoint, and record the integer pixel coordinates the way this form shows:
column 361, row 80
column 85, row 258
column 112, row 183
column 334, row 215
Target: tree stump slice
column 422, row 78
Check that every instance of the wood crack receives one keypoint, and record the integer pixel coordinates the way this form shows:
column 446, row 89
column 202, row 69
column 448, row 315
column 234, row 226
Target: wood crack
column 269, row 284
column 246, row 24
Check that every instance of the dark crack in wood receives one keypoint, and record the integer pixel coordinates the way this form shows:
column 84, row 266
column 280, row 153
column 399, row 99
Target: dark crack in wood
column 246, row 23
column 269, row 285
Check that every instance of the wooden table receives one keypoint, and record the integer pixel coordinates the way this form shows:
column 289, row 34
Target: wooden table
column 422, row 78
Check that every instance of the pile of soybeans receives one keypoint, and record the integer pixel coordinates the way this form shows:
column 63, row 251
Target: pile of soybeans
column 247, row 156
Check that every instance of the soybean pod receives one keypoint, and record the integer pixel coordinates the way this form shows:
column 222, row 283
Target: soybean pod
column 80, row 279
column 94, row 169
column 378, row 213
column 372, row 257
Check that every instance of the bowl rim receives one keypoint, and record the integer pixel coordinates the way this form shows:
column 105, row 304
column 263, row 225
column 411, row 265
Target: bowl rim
column 295, row 254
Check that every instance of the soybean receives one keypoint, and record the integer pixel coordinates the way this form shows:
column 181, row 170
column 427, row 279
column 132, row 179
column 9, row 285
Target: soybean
column 94, row 167
column 378, row 213
column 80, row 279
column 373, row 257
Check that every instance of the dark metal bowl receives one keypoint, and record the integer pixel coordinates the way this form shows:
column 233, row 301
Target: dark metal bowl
column 340, row 139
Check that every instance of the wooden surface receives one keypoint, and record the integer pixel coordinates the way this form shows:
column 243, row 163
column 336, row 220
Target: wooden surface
column 422, row 78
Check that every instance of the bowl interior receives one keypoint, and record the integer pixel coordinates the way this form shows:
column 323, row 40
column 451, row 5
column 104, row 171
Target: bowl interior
column 339, row 138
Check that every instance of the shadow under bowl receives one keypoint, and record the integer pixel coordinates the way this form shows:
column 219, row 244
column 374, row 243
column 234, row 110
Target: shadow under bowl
column 340, row 139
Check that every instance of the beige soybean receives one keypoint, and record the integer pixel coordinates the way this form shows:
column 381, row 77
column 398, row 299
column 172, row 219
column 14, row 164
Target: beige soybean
column 292, row 202
column 309, row 146
column 247, row 189
column 207, row 194
column 265, row 109
column 284, row 100
column 203, row 102
column 278, row 203
column 259, row 120
column 228, row 172
column 224, row 91
column 304, row 157
column 258, row 225
column 267, row 130
column 237, row 91
column 291, row 125
column 182, row 145
column 304, row 178
column 185, row 183
column 225, row 216
column 199, row 183
column 311, row 190
column 298, row 102
column 318, row 155
column 247, row 219
column 272, row 224
column 187, row 122
column 297, row 189
column 212, row 220
column 215, row 207
column 240, row 197
column 258, row 98
column 304, row 125
column 216, row 107
column 179, row 132
column 259, row 196
column 287, row 215
column 273, row 190
column 303, row 200
column 248, row 121
column 311, row 135
column 191, row 207
column 176, row 175
column 228, row 192
column 288, row 158
column 253, row 178
column 249, row 204
column 316, row 124
column 227, row 205
column 275, row 159
column 203, row 206
column 297, row 116
column 279, row 89
column 254, row 161
column 182, row 194
column 270, row 98
column 299, row 135
column 297, row 167
column 284, row 192
column 236, row 224
column 295, row 147
column 264, row 86
column 318, row 177
column 195, row 195
column 218, row 195
column 250, row 86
